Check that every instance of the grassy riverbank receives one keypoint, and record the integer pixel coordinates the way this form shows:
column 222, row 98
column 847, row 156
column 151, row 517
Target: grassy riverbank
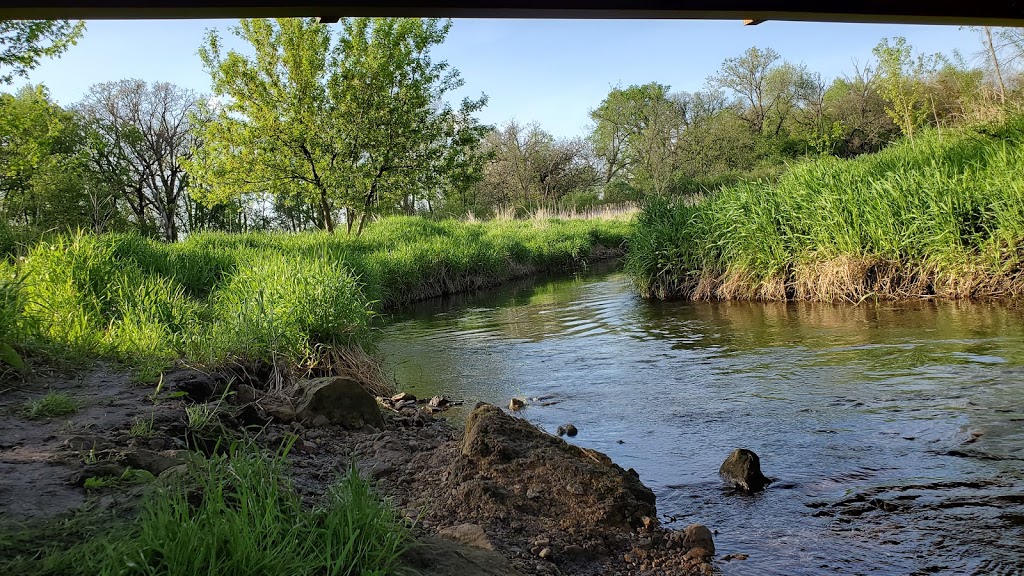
column 938, row 216
column 235, row 515
column 273, row 298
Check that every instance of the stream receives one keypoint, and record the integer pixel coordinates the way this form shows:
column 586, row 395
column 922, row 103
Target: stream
column 894, row 431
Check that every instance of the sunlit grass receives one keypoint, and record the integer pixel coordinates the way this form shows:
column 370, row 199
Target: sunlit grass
column 52, row 405
column 264, row 297
column 942, row 215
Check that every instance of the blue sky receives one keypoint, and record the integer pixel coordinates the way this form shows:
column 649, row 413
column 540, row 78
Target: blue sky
column 549, row 71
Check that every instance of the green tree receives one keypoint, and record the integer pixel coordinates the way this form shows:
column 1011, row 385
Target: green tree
column 24, row 43
column 635, row 133
column 43, row 175
column 901, row 82
column 347, row 126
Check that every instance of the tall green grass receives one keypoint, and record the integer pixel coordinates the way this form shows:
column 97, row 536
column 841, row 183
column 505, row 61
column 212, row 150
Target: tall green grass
column 939, row 216
column 231, row 515
column 263, row 297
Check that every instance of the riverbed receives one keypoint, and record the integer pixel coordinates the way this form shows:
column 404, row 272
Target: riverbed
column 894, row 431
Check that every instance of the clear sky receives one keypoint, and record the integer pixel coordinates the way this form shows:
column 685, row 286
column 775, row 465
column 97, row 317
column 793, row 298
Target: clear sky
column 550, row 71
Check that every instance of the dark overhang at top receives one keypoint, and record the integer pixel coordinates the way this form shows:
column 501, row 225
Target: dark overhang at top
column 962, row 12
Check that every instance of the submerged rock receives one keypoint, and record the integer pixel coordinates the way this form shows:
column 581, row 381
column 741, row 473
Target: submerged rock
column 516, row 404
column 342, row 401
column 743, row 469
column 571, row 430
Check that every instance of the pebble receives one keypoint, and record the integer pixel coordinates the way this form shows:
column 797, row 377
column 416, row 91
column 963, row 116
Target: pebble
column 545, row 553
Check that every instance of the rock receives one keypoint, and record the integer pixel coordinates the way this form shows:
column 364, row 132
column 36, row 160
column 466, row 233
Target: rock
column 279, row 410
column 516, row 404
column 440, row 402
column 743, row 469
column 98, row 470
column 698, row 536
column 468, row 534
column 155, row 462
column 571, row 430
column 341, row 401
column 403, row 397
column 561, row 430
column 545, row 553
column 245, row 394
column 438, row 557
column 499, row 451
column 174, row 474
column 197, row 386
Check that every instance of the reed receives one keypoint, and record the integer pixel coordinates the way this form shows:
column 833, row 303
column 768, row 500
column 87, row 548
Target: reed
column 941, row 216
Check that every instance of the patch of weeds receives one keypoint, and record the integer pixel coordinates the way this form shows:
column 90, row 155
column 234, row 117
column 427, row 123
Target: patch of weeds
column 141, row 428
column 50, row 406
column 200, row 417
column 235, row 514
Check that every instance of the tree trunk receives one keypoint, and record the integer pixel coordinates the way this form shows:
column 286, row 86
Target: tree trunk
column 995, row 63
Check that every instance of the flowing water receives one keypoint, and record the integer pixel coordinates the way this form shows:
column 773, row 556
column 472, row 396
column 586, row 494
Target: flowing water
column 894, row 432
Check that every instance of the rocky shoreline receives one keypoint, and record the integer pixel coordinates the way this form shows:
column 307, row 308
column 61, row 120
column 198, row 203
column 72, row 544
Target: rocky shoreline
column 500, row 497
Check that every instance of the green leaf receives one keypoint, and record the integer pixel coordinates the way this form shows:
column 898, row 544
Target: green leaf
column 9, row 356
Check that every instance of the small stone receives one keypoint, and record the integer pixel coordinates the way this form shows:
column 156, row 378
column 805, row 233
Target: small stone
column 628, row 558
column 545, row 553
column 698, row 536
column 570, row 430
column 516, row 404
column 245, row 394
column 698, row 553
column 320, row 421
column 648, row 522
column 403, row 397
column 561, row 430
column 468, row 534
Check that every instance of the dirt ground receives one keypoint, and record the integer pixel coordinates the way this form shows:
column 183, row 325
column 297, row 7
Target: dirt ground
column 502, row 499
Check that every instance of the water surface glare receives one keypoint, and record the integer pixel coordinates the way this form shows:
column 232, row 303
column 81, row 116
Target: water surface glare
column 895, row 432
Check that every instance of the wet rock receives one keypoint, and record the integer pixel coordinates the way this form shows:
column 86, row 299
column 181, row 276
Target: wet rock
column 698, row 536
column 516, row 404
column 468, row 534
column 155, row 462
column 561, row 430
column 499, row 451
column 197, row 386
column 571, row 430
column 743, row 469
column 341, row 401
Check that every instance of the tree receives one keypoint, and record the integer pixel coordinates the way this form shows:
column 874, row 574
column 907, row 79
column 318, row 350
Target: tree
column 529, row 168
column 346, row 127
column 24, row 43
column 901, row 83
column 43, row 179
column 759, row 82
column 635, row 133
column 143, row 138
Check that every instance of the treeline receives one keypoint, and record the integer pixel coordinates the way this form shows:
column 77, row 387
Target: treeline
column 755, row 116
column 321, row 127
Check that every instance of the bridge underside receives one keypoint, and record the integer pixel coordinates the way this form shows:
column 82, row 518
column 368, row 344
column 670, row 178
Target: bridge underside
column 959, row 12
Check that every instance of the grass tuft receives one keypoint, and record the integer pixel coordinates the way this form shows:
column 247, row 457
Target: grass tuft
column 52, row 405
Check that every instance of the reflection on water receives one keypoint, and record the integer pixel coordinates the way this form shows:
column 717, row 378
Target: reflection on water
column 895, row 431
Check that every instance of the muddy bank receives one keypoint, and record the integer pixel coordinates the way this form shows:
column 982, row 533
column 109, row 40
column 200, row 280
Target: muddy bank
column 498, row 497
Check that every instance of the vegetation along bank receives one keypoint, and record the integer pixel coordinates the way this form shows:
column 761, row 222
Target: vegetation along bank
column 940, row 215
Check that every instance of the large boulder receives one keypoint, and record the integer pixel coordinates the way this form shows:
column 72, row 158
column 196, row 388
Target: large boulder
column 341, row 401
column 742, row 469
column 509, row 463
